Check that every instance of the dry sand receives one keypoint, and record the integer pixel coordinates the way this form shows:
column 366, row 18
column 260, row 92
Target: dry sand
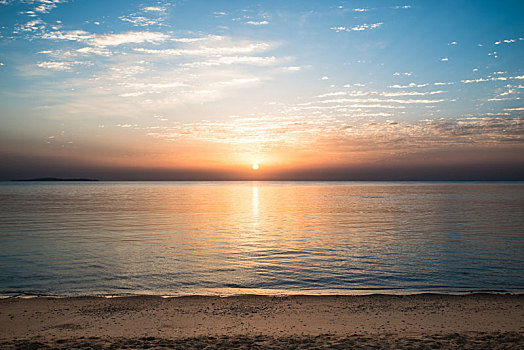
column 252, row 322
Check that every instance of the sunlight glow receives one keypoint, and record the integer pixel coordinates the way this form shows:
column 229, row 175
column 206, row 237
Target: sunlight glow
column 255, row 166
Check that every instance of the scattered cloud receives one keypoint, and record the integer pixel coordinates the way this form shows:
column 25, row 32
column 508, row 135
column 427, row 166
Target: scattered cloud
column 45, row 6
column 443, row 59
column 294, row 132
column 104, row 40
column 59, row 66
column 507, row 41
column 406, row 73
column 357, row 28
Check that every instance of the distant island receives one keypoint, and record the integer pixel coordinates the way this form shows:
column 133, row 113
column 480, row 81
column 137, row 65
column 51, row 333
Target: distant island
column 55, row 179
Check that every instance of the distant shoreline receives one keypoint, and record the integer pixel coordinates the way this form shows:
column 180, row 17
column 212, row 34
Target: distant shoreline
column 53, row 179
column 255, row 180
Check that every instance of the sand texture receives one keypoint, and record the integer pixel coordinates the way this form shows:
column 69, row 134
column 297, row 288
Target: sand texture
column 259, row 322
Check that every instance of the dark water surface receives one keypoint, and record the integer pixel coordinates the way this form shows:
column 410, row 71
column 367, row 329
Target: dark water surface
column 175, row 238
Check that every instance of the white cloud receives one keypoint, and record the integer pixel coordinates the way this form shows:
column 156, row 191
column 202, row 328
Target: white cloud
column 324, row 78
column 410, row 85
column 443, row 59
column 357, row 28
column 72, row 35
column 31, row 26
column 255, row 23
column 378, row 100
column 58, row 66
column 507, row 41
column 228, row 60
column 360, row 10
column 94, row 50
column 411, row 93
column 406, row 73
column 237, row 82
column 104, row 40
column 154, row 9
column 211, row 46
column 141, row 21
column 45, row 6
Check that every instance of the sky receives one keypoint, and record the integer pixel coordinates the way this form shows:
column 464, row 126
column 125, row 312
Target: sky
column 308, row 90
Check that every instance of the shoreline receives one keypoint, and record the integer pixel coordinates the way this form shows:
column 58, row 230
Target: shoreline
column 429, row 318
column 359, row 293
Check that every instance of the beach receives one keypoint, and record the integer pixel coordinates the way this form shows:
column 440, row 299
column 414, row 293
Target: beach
column 255, row 321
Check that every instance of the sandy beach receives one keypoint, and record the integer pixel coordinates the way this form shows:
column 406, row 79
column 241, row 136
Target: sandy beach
column 386, row 321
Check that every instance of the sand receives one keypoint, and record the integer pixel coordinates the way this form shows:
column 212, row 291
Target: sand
column 253, row 322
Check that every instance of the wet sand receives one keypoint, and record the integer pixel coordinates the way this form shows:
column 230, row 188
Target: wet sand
column 302, row 322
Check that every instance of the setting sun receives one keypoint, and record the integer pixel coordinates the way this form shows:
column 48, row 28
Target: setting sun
column 255, row 166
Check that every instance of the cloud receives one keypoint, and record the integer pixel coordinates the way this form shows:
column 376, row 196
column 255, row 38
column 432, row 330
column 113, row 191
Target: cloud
column 410, row 85
column 375, row 100
column 140, row 21
column 31, row 26
column 357, row 28
column 229, row 60
column 104, row 40
column 411, row 93
column 237, row 82
column 376, row 93
column 324, row 78
column 360, row 10
column 59, row 66
column 407, row 73
column 255, row 23
column 507, row 41
column 45, row 6
column 296, row 133
column 154, row 9
column 444, row 59
column 211, row 46
column 489, row 78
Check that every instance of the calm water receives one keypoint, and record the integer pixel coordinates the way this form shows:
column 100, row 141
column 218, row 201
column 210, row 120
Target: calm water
column 175, row 238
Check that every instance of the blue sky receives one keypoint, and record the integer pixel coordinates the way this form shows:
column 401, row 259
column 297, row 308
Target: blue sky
column 224, row 84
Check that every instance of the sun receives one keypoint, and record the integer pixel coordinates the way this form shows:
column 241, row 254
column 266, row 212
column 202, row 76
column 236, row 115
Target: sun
column 255, row 166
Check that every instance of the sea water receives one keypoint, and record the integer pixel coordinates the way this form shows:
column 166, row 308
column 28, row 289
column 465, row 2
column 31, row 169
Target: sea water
column 179, row 238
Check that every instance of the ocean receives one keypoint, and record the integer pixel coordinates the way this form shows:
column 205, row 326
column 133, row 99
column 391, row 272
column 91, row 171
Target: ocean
column 224, row 238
